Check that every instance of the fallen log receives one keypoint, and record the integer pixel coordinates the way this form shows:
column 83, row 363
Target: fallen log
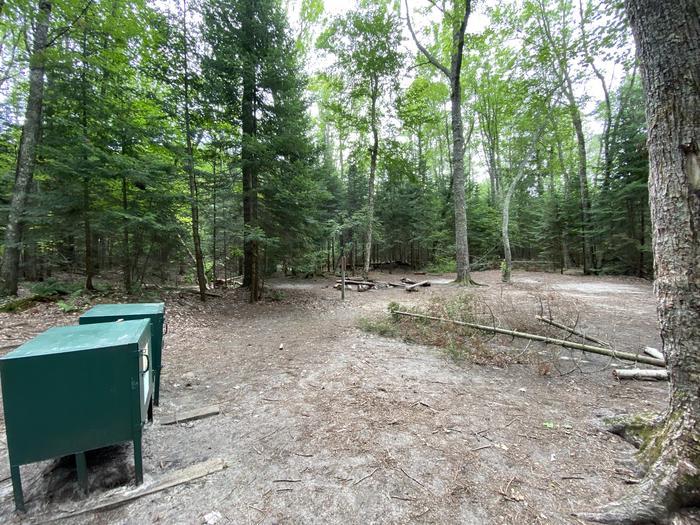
column 406, row 280
column 574, row 331
column 640, row 373
column 412, row 287
column 567, row 344
column 653, row 352
column 371, row 284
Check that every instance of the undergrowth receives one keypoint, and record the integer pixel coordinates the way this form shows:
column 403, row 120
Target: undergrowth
column 68, row 296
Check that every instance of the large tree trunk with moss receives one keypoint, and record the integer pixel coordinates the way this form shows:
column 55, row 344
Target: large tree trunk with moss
column 31, row 131
column 668, row 46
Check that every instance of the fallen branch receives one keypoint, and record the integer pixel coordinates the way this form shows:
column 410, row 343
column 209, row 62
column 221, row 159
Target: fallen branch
column 640, row 373
column 412, row 287
column 653, row 352
column 357, row 282
column 573, row 331
column 172, row 479
column 190, row 415
column 567, row 344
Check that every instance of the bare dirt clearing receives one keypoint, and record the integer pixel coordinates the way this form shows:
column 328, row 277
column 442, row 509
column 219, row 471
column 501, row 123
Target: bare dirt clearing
column 324, row 423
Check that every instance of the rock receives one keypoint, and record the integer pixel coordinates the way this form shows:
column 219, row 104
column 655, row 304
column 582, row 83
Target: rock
column 189, row 378
column 212, row 517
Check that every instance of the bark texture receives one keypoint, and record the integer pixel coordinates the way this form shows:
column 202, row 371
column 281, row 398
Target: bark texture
column 31, row 132
column 668, row 47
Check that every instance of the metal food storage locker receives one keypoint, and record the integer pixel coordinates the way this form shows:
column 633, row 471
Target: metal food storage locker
column 76, row 388
column 103, row 313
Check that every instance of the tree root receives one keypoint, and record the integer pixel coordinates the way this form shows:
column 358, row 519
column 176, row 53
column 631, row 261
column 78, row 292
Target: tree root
column 468, row 282
column 672, row 482
column 635, row 429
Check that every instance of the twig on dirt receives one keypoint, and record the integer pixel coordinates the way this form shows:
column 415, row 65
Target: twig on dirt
column 425, row 405
column 271, row 400
column 482, row 447
column 506, row 492
column 303, row 455
column 286, row 480
column 271, row 433
column 511, row 422
column 414, row 479
column 367, row 476
column 256, row 508
column 402, row 498
column 572, row 477
column 283, row 490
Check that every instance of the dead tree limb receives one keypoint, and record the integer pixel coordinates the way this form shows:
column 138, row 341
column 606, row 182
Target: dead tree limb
column 567, row 344
column 574, row 331
column 653, row 352
column 412, row 287
column 640, row 373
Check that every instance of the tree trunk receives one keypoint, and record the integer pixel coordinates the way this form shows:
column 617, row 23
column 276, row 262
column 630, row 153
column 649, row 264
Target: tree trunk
column 126, row 256
column 453, row 73
column 458, row 178
column 607, row 107
column 89, row 265
column 561, row 66
column 31, row 133
column 214, row 230
column 583, row 186
column 505, row 235
column 508, row 258
column 374, row 90
column 668, row 47
column 189, row 164
column 250, row 195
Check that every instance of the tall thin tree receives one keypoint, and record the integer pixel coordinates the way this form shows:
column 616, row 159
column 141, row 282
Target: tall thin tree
column 26, row 159
column 189, row 157
column 460, row 16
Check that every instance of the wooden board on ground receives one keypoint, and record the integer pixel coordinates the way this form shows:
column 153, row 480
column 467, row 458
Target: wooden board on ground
column 413, row 287
column 172, row 479
column 190, row 415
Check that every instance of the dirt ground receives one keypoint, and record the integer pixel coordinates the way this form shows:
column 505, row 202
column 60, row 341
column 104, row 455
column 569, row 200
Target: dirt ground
column 324, row 423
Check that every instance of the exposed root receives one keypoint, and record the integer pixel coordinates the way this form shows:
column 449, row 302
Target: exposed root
column 468, row 281
column 635, row 429
column 672, row 482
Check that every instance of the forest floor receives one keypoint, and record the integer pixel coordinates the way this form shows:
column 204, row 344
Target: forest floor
column 323, row 423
